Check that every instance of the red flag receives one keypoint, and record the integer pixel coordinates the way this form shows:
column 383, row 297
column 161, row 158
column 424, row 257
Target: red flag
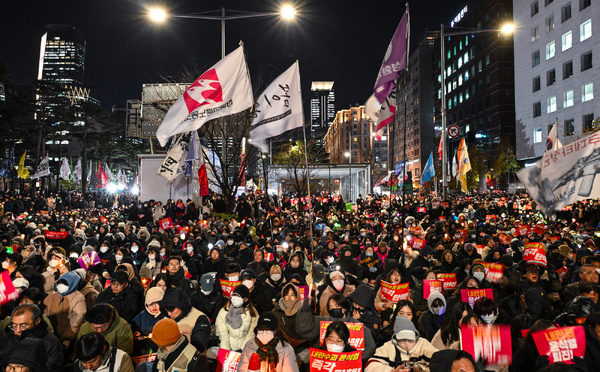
column 102, row 178
column 440, row 148
column 203, row 180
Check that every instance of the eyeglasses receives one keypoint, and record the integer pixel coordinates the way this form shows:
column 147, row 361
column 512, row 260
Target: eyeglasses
column 590, row 272
column 22, row 327
column 264, row 332
column 338, row 342
column 14, row 368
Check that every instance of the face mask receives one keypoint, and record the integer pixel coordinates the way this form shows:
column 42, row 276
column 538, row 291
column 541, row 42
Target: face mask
column 335, row 348
column 438, row 310
column 275, row 277
column 236, row 301
column 266, row 337
column 230, row 242
column 336, row 313
column 330, row 260
column 206, row 293
column 74, row 255
column 248, row 283
column 62, row 288
column 134, row 248
column 162, row 254
column 53, row 263
column 118, row 258
column 362, row 234
column 103, row 249
column 151, row 257
column 5, row 265
column 234, row 278
column 338, row 284
column 490, row 318
column 479, row 275
column 369, row 254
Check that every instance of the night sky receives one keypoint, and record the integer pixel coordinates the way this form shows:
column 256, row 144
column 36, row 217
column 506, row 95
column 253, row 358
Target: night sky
column 340, row 40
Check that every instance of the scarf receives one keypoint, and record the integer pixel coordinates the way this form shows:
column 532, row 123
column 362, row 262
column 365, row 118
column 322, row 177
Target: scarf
column 268, row 353
column 162, row 353
column 290, row 308
column 234, row 317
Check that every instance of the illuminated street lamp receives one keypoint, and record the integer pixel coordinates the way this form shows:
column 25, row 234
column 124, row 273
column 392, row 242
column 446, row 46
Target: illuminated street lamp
column 507, row 29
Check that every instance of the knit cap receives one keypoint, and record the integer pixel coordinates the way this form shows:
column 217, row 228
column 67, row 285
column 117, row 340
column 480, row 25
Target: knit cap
column 165, row 332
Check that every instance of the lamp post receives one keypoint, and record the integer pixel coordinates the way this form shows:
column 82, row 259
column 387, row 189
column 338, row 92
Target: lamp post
column 507, row 30
column 348, row 154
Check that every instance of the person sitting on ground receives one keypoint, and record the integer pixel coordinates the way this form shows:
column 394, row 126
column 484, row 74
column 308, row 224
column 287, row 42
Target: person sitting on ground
column 175, row 353
column 104, row 319
column 94, row 354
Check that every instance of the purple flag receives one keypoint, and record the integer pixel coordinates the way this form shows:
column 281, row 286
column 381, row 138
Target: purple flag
column 394, row 61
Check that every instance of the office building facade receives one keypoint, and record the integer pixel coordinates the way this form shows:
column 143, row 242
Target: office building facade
column 322, row 108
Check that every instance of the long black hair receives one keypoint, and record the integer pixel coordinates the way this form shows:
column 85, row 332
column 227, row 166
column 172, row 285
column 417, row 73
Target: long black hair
column 341, row 329
column 450, row 330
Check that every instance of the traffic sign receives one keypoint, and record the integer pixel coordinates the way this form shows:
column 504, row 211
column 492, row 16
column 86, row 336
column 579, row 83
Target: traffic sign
column 453, row 131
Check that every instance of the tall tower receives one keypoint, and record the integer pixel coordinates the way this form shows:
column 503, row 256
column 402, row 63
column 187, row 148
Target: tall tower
column 322, row 108
column 62, row 55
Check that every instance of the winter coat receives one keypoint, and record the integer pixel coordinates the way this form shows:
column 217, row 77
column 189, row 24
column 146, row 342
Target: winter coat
column 330, row 291
column 117, row 335
column 592, row 350
column 209, row 304
column 179, row 280
column 118, row 358
column 66, row 312
column 367, row 263
column 348, row 265
column 287, row 325
column 90, row 293
column 235, row 339
column 385, row 356
column 287, row 357
column 125, row 303
column 144, row 321
column 192, row 323
column 150, row 269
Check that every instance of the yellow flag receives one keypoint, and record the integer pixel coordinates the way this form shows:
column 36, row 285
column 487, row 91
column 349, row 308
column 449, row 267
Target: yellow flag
column 22, row 171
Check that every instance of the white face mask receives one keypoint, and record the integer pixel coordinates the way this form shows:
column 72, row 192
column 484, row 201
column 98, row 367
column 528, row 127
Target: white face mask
column 335, row 348
column 438, row 310
column 151, row 257
column 118, row 258
column 62, row 288
column 234, row 278
column 330, row 260
column 5, row 265
column 265, row 337
column 236, row 301
column 74, row 255
column 206, row 293
column 53, row 262
column 275, row 277
column 189, row 248
column 103, row 249
column 248, row 283
column 338, row 284
column 490, row 318
column 230, row 242
column 479, row 275
column 134, row 248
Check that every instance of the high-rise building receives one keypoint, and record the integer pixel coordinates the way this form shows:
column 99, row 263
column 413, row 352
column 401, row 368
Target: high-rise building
column 322, row 108
column 479, row 81
column 412, row 132
column 62, row 55
column 555, row 76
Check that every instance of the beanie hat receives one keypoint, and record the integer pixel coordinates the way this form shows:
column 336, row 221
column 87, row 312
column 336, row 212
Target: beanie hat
column 119, row 277
column 153, row 295
column 154, row 244
column 506, row 260
column 334, row 273
column 23, row 351
column 165, row 332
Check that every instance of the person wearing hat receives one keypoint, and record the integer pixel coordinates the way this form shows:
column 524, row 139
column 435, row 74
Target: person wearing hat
column 95, row 354
column 103, row 318
column 175, row 352
column 236, row 321
column 275, row 282
column 363, row 307
column 285, row 311
column 120, row 296
column 19, row 357
column 258, row 296
column 274, row 354
column 143, row 323
column 336, row 284
column 406, row 349
column 347, row 264
column 192, row 323
column 422, row 263
column 208, row 298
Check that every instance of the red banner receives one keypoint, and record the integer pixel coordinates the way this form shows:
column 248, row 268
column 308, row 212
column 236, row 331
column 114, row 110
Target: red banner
column 416, row 230
column 561, row 344
column 141, row 359
column 421, row 210
column 494, row 272
column 103, row 219
column 431, row 286
column 56, row 235
column 357, row 334
column 394, row 292
column 504, row 238
column 7, row 289
column 227, row 360
column 524, row 230
column 227, row 287
column 303, row 289
column 445, row 204
column 166, row 223
column 417, row 243
column 554, row 238
column 540, row 229
column 203, row 180
column 491, row 343
column 449, row 280
column 535, row 254
column 562, row 273
column 327, row 361
column 471, row 295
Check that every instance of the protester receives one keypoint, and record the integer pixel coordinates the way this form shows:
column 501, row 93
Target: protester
column 94, row 354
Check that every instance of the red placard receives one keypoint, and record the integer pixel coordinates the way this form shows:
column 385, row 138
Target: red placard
column 540, row 228
column 357, row 334
column 7, row 289
column 430, row 286
column 141, row 359
column 336, row 199
column 445, row 204
column 303, row 289
column 494, row 272
column 524, row 230
column 416, row 230
column 103, row 219
column 471, row 295
column 491, row 343
column 228, row 286
column 166, row 223
column 394, row 292
column 535, row 254
column 56, row 235
column 488, row 217
column 417, row 243
column 479, row 248
column 449, row 280
column 327, row 361
column 562, row 273
column 561, row 344
column 442, row 218
column 421, row 210
column 227, row 360
column 554, row 238
column 504, row 238
column 268, row 256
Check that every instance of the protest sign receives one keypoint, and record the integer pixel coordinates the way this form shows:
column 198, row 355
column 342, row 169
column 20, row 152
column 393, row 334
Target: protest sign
column 561, row 344
column 394, row 292
column 7, row 289
column 494, row 272
column 491, row 343
column 417, row 243
column 524, row 230
column 449, row 280
column 88, row 260
column 430, row 286
column 227, row 360
column 143, row 358
column 327, row 361
column 166, row 223
column 228, row 286
column 357, row 334
column 471, row 295
column 303, row 289
column 56, row 235
column 535, row 254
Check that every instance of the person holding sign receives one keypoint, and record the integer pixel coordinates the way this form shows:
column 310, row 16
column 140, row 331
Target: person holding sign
column 236, row 321
column 336, row 338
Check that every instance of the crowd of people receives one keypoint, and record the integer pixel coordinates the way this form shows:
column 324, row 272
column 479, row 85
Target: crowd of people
column 105, row 286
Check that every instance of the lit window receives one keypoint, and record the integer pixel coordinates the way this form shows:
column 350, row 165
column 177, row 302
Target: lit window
column 537, row 135
column 466, row 75
column 567, row 41
column 449, row 69
column 550, row 50
column 460, row 80
column 587, row 92
column 460, row 98
column 467, row 94
column 568, row 99
column 585, row 30
column 449, row 88
column 460, row 62
column 551, row 104
column 466, row 58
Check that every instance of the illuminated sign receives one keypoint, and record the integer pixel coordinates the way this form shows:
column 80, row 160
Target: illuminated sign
column 459, row 16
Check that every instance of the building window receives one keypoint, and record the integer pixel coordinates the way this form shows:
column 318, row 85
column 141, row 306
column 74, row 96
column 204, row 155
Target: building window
column 587, row 122
column 550, row 49
column 535, row 8
column 567, row 69
column 550, row 77
column 535, row 84
column 537, row 135
column 551, row 105
column 568, row 98
column 585, row 30
column 466, row 57
column 550, row 23
column 535, row 59
column 567, row 40
column 569, row 127
column 535, row 33
column 586, row 61
column 537, row 109
column 479, row 66
column 487, row 60
column 582, row 5
column 546, row 2
column 565, row 12
column 587, row 92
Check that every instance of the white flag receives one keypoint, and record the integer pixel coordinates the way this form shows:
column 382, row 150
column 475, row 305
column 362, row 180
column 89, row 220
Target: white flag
column 89, row 175
column 278, row 109
column 108, row 173
column 454, row 166
column 65, row 170
column 552, row 142
column 382, row 113
column 43, row 168
column 222, row 90
column 174, row 164
column 77, row 172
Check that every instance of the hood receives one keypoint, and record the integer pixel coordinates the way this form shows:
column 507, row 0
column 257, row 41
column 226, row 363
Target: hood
column 72, row 279
column 402, row 323
column 176, row 297
column 130, row 271
column 434, row 296
column 364, row 296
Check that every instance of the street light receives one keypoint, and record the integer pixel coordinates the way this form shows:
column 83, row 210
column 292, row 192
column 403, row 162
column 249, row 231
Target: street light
column 159, row 15
column 349, row 156
column 507, row 29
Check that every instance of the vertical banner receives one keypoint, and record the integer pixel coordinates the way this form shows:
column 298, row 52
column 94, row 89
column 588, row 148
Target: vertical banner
column 327, row 361
column 430, row 286
column 394, row 292
column 227, row 360
column 561, row 344
column 491, row 343
column 228, row 286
